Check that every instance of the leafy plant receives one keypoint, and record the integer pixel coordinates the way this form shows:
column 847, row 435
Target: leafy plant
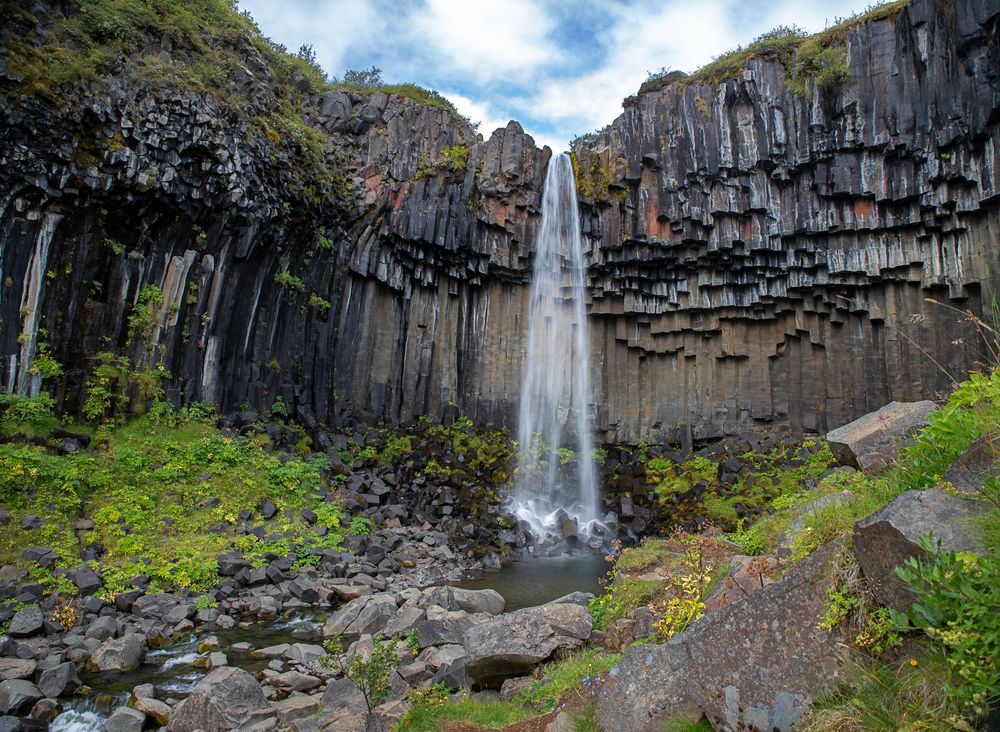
column 289, row 281
column 371, row 676
column 958, row 608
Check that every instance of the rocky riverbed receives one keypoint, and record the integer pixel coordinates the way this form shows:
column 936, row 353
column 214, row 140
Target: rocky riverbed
column 157, row 660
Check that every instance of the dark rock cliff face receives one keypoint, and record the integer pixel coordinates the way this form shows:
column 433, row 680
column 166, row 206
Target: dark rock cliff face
column 768, row 257
column 757, row 256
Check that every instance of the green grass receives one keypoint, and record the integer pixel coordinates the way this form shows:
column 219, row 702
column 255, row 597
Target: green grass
column 682, row 725
column 820, row 57
column 649, row 553
column 429, row 716
column 158, row 496
column 888, row 698
column 578, row 676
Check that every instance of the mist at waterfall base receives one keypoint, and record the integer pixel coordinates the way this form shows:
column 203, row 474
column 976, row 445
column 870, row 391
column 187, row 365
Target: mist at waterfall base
column 554, row 494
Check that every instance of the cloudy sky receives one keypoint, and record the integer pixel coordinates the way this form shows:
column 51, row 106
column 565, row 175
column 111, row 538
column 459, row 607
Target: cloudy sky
column 559, row 67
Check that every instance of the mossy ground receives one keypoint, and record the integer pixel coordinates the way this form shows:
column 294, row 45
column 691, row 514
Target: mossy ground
column 166, row 495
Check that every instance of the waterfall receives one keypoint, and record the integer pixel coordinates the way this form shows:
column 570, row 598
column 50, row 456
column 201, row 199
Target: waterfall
column 555, row 393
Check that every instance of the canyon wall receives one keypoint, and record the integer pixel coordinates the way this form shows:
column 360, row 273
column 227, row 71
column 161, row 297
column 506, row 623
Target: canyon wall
column 758, row 256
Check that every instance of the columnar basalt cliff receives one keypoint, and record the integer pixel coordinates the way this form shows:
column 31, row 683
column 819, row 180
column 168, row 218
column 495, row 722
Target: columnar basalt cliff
column 758, row 255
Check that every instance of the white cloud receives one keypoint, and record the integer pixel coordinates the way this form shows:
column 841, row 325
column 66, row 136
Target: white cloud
column 481, row 112
column 503, row 58
column 332, row 27
column 487, row 40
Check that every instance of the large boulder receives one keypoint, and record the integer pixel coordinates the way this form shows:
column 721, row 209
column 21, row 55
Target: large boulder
column 975, row 466
column 490, row 602
column 513, row 644
column 17, row 668
column 871, row 442
column 26, row 623
column 366, row 615
column 118, row 654
column 17, row 696
column 125, row 719
column 225, row 699
column 891, row 535
column 60, row 680
column 753, row 664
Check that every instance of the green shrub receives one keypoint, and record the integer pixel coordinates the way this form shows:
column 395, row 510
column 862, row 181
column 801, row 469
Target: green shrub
column 289, row 281
column 958, row 608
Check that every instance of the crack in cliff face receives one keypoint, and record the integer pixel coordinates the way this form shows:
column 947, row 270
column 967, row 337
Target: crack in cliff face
column 757, row 257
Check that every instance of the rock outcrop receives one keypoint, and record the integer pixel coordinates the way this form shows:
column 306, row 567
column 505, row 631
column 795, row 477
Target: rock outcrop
column 753, row 664
column 757, row 255
column 872, row 442
column 888, row 537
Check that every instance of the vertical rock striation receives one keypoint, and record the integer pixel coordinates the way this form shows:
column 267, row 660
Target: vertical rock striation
column 764, row 256
column 757, row 256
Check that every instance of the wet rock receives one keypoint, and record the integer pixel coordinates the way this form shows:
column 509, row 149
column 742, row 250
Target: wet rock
column 872, row 442
column 125, row 719
column 225, row 699
column 154, row 709
column 513, row 644
column 17, row 696
column 26, row 623
column 60, row 680
column 45, row 710
column 119, row 654
column 886, row 538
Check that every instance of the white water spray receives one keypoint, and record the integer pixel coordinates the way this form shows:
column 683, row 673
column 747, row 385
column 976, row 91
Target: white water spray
column 555, row 394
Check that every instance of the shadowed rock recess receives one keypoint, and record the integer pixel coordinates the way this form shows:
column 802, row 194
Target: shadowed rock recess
column 757, row 256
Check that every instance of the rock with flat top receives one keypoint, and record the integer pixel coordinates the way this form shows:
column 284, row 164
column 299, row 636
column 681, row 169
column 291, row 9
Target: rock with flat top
column 513, row 644
column 891, row 535
column 225, row 699
column 872, row 442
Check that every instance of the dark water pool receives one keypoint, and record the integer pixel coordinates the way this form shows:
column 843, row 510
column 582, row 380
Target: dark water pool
column 537, row 581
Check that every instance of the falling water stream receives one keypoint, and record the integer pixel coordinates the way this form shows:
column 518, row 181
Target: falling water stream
column 555, row 393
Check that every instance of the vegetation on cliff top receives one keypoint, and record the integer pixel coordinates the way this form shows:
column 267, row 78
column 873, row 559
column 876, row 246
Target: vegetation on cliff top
column 820, row 58
column 202, row 46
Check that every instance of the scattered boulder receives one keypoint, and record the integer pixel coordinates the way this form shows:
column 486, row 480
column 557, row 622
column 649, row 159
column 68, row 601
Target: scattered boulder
column 118, row 654
column 225, row 699
column 871, row 442
column 125, row 719
column 59, row 680
column 16, row 668
column 976, row 465
column 26, row 623
column 87, row 581
column 366, row 615
column 17, row 696
column 154, row 709
column 887, row 537
column 490, row 602
column 513, row 644
column 155, row 606
column 775, row 631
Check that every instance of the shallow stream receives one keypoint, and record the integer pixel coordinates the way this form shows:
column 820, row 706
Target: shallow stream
column 173, row 671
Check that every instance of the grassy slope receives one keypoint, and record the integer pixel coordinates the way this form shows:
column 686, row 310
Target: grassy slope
column 165, row 499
